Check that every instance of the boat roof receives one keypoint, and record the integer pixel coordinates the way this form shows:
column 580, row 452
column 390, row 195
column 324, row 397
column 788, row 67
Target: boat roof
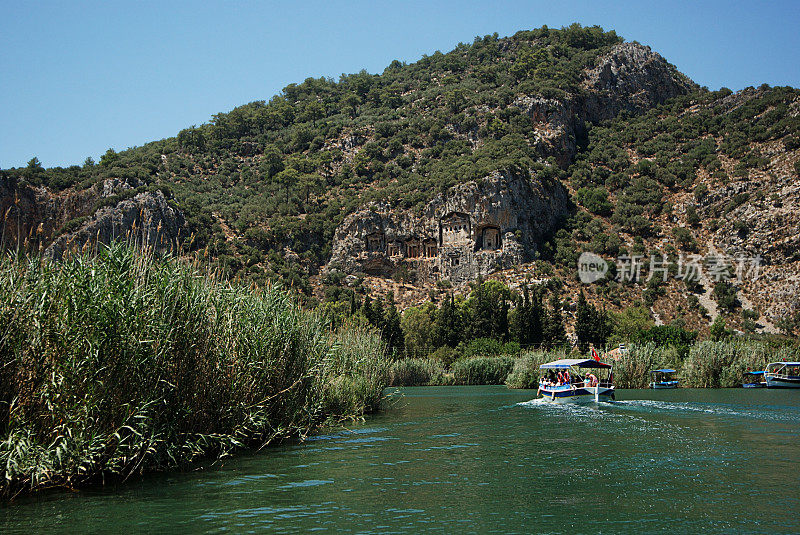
column 580, row 363
column 784, row 363
column 663, row 370
column 755, row 373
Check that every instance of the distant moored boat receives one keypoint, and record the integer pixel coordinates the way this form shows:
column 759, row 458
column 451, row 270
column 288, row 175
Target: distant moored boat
column 753, row 379
column 662, row 379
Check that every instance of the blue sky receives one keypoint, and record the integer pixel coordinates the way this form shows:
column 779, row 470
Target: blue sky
column 79, row 77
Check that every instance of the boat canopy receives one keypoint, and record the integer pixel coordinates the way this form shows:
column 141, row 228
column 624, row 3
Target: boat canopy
column 663, row 370
column 754, row 373
column 579, row 363
column 784, row 363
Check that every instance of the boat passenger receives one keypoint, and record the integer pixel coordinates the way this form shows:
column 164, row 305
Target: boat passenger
column 592, row 379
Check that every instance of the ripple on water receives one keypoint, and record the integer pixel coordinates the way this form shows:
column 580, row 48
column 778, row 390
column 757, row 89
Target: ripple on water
column 305, row 483
column 475, row 460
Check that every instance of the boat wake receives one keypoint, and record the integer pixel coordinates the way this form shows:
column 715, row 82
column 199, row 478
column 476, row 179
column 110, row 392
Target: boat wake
column 642, row 410
column 774, row 414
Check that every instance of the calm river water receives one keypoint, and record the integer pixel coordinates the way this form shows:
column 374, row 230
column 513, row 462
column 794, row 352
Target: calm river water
column 483, row 460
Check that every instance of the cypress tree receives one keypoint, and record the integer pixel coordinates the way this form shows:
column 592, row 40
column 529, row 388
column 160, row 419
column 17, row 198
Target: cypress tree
column 501, row 328
column 447, row 328
column 584, row 323
column 536, row 318
column 366, row 309
column 591, row 326
column 555, row 335
column 392, row 331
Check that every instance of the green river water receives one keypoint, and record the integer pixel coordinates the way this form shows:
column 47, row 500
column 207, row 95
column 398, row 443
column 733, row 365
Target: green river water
column 483, row 460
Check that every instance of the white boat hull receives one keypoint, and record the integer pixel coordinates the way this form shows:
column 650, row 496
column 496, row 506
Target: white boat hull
column 782, row 382
column 588, row 394
column 664, row 384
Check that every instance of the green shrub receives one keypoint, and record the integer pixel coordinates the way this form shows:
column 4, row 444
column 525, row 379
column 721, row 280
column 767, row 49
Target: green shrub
column 72, row 225
column 692, row 218
column 725, row 294
column 595, row 200
column 446, row 355
column 684, row 239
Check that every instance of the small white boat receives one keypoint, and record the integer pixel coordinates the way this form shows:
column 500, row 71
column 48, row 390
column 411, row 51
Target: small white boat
column 753, row 379
column 661, row 379
column 572, row 381
column 782, row 375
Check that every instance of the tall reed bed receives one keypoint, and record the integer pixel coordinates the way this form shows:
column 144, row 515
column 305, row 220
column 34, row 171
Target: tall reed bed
column 526, row 372
column 417, row 372
column 482, row 370
column 632, row 368
column 721, row 364
column 121, row 363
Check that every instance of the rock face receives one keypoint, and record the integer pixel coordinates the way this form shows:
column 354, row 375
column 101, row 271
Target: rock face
column 147, row 219
column 556, row 126
column 32, row 215
column 34, row 218
column 472, row 229
column 631, row 78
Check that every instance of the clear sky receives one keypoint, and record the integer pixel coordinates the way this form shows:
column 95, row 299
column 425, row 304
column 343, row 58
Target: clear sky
column 79, row 77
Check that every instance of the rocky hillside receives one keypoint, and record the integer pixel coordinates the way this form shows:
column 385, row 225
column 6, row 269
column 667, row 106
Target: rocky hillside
column 37, row 219
column 505, row 157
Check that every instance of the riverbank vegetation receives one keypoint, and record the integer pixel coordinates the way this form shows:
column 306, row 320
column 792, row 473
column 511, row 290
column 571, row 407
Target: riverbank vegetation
column 707, row 364
column 496, row 335
column 122, row 362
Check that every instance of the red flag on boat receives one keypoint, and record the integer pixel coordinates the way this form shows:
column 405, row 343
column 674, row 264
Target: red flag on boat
column 595, row 356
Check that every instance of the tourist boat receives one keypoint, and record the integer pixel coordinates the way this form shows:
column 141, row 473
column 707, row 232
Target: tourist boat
column 661, row 379
column 581, row 385
column 753, row 380
column 782, row 375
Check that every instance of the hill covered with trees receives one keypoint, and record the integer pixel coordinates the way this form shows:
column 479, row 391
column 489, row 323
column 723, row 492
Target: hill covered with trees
column 653, row 164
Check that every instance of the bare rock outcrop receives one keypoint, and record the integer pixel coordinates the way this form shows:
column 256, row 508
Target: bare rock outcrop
column 146, row 218
column 35, row 218
column 472, row 229
column 630, row 78
column 31, row 216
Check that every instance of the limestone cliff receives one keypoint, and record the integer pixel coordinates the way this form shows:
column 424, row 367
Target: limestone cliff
column 146, row 219
column 631, row 78
column 31, row 216
column 472, row 229
column 36, row 218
